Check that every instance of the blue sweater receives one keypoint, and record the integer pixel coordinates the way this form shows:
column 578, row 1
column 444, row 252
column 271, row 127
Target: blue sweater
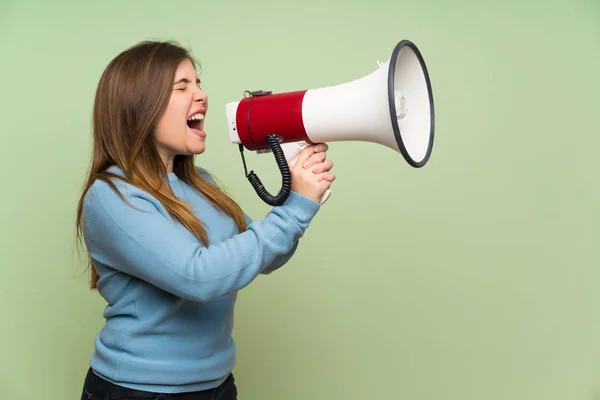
column 169, row 316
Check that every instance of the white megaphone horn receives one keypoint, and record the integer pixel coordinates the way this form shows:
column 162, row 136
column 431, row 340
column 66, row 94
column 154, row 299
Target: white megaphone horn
column 392, row 106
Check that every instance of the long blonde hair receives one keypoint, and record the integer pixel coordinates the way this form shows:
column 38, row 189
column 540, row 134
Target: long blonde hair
column 132, row 94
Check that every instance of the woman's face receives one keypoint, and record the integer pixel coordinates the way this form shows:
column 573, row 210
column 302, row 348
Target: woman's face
column 180, row 130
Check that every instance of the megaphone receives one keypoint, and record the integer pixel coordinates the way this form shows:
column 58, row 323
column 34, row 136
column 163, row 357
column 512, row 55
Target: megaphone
column 392, row 106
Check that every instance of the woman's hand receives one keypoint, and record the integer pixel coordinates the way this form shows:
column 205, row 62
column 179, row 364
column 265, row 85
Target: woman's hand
column 310, row 174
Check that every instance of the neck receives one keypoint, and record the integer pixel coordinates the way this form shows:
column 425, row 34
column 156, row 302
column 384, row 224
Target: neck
column 167, row 160
column 169, row 165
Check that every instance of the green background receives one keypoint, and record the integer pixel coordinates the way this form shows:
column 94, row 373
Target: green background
column 474, row 278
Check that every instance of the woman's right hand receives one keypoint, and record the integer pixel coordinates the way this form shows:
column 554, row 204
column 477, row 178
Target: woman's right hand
column 305, row 181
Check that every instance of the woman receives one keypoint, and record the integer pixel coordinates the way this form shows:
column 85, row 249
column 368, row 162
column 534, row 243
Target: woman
column 168, row 248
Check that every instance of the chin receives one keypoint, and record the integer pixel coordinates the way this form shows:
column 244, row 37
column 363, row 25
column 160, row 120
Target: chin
column 195, row 145
column 196, row 149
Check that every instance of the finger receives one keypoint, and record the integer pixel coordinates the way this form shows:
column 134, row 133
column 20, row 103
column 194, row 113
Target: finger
column 325, row 176
column 325, row 184
column 329, row 177
column 325, row 166
column 320, row 147
column 320, row 177
column 315, row 159
column 305, row 154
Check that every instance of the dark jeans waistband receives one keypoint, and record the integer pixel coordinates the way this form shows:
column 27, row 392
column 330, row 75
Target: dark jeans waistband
column 96, row 387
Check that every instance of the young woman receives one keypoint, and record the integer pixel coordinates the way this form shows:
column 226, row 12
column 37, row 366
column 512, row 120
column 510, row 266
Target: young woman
column 168, row 248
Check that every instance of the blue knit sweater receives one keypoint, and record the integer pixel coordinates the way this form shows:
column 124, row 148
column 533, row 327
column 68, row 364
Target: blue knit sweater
column 169, row 316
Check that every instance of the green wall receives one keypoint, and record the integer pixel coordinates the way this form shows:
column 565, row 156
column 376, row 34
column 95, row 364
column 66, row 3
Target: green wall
column 474, row 278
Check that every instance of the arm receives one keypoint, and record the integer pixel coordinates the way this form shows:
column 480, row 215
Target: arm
column 146, row 243
column 279, row 260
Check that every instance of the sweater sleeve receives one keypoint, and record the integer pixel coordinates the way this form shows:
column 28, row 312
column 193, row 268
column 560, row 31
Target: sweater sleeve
column 281, row 259
column 144, row 242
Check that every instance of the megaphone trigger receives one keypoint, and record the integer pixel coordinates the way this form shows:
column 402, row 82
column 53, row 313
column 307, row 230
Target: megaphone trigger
column 292, row 150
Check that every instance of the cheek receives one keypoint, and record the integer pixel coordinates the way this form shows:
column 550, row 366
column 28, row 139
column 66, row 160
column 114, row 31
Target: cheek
column 173, row 122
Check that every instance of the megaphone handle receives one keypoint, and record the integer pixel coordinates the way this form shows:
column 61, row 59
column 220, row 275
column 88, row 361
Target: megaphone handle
column 291, row 151
column 325, row 196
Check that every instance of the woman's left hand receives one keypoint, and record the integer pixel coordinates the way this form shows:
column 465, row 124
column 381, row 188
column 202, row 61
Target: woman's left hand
column 319, row 162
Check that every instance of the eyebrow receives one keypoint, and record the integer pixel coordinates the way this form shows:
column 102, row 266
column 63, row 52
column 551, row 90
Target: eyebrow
column 186, row 81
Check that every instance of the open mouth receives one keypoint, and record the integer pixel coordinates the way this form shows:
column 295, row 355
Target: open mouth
column 196, row 122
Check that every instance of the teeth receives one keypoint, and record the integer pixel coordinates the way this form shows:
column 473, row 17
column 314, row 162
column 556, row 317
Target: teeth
column 196, row 117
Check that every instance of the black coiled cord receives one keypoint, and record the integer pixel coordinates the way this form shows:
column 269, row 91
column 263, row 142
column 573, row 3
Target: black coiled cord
column 286, row 176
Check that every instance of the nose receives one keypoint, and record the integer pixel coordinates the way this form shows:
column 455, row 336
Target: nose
column 200, row 96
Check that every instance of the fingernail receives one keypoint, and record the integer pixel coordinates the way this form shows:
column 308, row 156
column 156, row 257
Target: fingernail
column 316, row 170
column 305, row 165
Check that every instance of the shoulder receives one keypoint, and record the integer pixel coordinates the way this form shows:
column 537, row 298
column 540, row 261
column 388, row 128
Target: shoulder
column 114, row 193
